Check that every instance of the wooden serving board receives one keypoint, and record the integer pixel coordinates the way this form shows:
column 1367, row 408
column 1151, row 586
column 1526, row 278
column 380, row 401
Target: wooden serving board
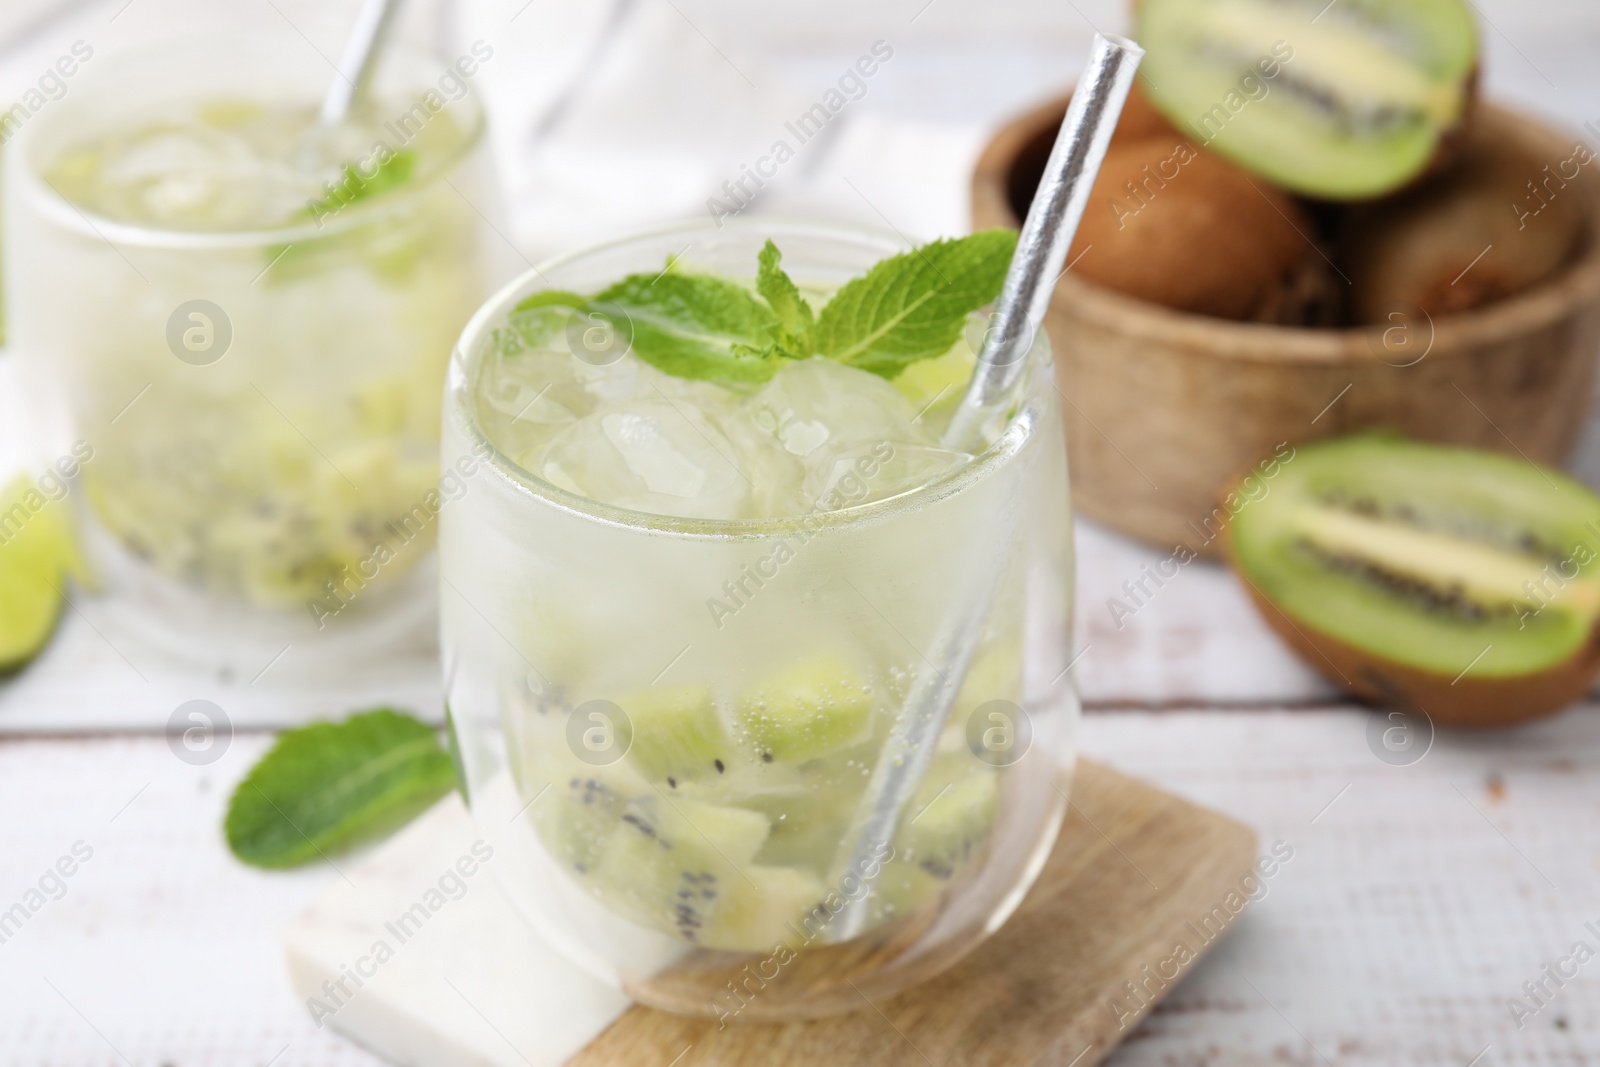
column 1137, row 889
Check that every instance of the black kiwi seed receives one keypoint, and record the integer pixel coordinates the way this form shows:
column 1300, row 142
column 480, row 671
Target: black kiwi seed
column 1452, row 599
column 766, row 757
column 719, row 766
column 672, row 782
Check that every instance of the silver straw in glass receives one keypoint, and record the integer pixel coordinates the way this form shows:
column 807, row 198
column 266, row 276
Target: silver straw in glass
column 361, row 53
column 1041, row 251
column 1052, row 223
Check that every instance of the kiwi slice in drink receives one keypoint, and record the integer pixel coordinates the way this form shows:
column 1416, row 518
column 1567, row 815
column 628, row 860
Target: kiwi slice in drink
column 950, row 816
column 678, row 734
column 1459, row 582
column 688, row 869
column 1339, row 101
column 817, row 706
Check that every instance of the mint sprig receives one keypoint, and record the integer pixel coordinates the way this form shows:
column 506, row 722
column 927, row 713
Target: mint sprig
column 797, row 325
column 324, row 788
column 695, row 326
column 352, row 187
column 907, row 308
column 912, row 306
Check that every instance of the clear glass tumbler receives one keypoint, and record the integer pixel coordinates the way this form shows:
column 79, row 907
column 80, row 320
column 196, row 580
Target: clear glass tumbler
column 747, row 889
column 248, row 319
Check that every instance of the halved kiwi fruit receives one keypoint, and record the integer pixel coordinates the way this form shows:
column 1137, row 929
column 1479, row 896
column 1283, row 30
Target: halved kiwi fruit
column 1460, row 582
column 1339, row 101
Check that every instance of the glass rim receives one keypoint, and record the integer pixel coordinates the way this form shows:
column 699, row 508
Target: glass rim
column 460, row 407
column 43, row 198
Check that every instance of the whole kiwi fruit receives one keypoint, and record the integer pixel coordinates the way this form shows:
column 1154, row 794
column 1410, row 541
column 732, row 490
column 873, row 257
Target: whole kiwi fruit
column 1173, row 224
column 1483, row 230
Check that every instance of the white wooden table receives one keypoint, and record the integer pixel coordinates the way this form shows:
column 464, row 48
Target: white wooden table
column 1420, row 898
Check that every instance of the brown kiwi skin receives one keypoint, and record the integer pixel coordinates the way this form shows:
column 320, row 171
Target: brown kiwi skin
column 1454, row 140
column 1205, row 238
column 1140, row 119
column 1426, row 248
column 1478, row 703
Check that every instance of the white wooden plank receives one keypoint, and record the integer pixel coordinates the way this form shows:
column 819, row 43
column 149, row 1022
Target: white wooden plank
column 162, row 949
column 1415, row 904
column 1419, row 900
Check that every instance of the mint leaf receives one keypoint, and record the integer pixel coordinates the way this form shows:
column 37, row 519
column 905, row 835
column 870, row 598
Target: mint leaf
column 326, row 787
column 302, row 259
column 535, row 320
column 906, row 308
column 912, row 306
column 695, row 326
column 351, row 187
column 545, row 298
column 797, row 325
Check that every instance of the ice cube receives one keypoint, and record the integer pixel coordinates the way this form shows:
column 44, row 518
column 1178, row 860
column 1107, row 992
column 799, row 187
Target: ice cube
column 655, row 456
column 858, row 437
column 864, row 472
column 821, row 404
column 776, row 476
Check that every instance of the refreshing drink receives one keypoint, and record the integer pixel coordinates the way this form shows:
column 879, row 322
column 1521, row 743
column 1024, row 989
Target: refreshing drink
column 691, row 584
column 250, row 317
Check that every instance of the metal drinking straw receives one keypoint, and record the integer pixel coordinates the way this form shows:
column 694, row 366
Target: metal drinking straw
column 1052, row 222
column 361, row 54
column 1041, row 251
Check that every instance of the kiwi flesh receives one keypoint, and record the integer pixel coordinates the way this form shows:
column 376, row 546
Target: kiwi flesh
column 807, row 710
column 678, row 735
column 686, row 868
column 736, row 857
column 1456, row 581
column 1484, row 230
column 1178, row 226
column 578, row 816
column 949, row 818
column 1341, row 101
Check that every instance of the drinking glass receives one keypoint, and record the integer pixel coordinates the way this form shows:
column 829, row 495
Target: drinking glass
column 257, row 375
column 750, row 892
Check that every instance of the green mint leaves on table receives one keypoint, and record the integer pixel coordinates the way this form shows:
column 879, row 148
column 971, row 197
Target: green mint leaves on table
column 324, row 788
column 908, row 307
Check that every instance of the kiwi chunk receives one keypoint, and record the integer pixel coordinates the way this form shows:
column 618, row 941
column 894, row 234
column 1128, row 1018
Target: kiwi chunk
column 1340, row 101
column 678, row 734
column 687, row 869
column 578, row 818
column 815, row 707
column 950, row 816
column 1462, row 582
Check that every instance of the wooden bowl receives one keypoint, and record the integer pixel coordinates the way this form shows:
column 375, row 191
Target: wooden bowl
column 1164, row 408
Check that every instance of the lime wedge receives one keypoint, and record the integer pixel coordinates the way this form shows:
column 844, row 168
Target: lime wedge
column 937, row 383
column 37, row 552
